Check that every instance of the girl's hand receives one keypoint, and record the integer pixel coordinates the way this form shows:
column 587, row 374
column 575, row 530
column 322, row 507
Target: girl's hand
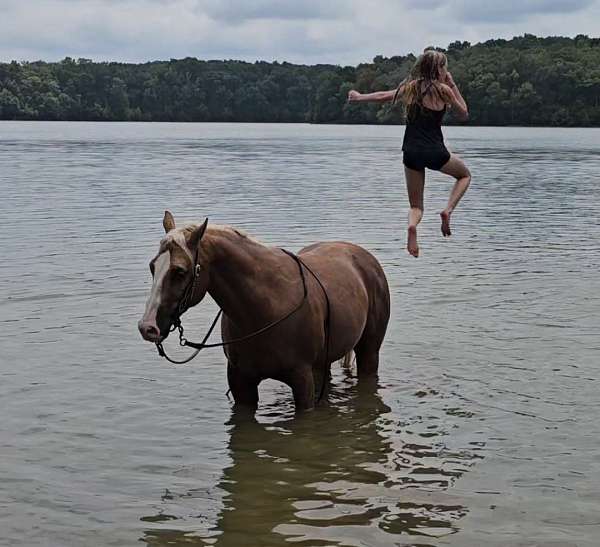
column 450, row 80
column 353, row 96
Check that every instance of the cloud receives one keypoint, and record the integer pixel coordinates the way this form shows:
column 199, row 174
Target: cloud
column 497, row 11
column 233, row 11
column 302, row 31
column 424, row 4
column 512, row 10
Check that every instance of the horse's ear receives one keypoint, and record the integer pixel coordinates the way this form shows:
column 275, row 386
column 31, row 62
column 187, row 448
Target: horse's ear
column 168, row 222
column 197, row 235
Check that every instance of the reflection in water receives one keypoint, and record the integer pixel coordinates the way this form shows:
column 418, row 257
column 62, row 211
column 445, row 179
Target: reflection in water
column 344, row 474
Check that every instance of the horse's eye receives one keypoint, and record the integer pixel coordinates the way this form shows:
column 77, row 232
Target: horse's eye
column 180, row 272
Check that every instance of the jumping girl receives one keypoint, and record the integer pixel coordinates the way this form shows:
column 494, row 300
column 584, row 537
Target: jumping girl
column 426, row 94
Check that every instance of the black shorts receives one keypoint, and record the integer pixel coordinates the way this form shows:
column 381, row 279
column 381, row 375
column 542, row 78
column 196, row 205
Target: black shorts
column 432, row 158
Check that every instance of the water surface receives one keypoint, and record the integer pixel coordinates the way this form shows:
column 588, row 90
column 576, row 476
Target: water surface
column 483, row 428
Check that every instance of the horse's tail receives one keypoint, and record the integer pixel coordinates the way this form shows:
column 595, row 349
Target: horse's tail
column 347, row 359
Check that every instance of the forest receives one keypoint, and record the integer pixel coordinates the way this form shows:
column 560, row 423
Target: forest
column 528, row 80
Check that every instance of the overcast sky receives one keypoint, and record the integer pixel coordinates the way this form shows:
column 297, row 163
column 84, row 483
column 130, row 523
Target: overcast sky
column 302, row 31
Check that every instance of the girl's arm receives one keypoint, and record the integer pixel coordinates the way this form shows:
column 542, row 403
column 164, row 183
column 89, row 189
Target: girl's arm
column 455, row 98
column 377, row 97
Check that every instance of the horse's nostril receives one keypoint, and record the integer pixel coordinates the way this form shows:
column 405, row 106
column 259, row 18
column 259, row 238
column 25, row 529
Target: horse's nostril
column 148, row 331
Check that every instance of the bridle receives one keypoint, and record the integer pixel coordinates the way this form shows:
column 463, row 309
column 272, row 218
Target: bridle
column 184, row 304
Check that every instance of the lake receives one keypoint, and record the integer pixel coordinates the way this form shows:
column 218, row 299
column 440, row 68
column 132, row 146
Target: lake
column 484, row 425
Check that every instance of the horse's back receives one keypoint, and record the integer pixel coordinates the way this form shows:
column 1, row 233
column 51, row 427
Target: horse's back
column 341, row 262
column 342, row 253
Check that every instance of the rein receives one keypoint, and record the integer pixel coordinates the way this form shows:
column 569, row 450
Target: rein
column 199, row 346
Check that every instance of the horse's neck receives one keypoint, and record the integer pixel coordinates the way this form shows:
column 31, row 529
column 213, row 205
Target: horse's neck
column 247, row 280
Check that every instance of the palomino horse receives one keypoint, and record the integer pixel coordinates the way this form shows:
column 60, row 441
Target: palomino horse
column 345, row 308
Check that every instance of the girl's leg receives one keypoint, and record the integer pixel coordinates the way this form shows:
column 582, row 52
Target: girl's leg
column 415, row 183
column 457, row 169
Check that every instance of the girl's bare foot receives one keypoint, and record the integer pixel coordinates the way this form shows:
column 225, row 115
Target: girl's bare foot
column 411, row 245
column 445, row 215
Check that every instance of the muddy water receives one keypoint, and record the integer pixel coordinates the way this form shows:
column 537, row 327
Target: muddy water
column 482, row 429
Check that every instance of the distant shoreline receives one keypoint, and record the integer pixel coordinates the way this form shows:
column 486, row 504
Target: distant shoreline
column 339, row 124
column 523, row 82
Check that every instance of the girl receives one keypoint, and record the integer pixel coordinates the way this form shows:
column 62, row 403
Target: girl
column 426, row 93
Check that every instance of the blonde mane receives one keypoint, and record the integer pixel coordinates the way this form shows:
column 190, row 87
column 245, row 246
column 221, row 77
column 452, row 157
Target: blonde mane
column 180, row 236
column 225, row 228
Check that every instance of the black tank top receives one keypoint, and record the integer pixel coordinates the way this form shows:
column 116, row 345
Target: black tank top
column 423, row 127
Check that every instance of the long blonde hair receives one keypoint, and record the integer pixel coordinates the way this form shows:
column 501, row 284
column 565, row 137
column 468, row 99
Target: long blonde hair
column 423, row 78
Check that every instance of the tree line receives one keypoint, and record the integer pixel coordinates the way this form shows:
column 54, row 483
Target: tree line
column 527, row 80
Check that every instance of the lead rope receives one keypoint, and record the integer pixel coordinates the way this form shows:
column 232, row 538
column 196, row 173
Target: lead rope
column 182, row 342
column 327, row 328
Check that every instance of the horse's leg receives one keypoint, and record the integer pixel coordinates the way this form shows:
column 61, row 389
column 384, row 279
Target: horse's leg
column 244, row 388
column 367, row 351
column 322, row 380
column 367, row 361
column 303, row 386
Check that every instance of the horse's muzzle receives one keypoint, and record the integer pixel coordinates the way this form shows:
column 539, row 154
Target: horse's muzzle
column 149, row 332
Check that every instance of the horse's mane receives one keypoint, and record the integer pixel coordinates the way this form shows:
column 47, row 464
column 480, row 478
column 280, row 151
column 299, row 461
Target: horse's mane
column 231, row 230
column 188, row 229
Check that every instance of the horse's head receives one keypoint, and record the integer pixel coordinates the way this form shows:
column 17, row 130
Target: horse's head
column 180, row 280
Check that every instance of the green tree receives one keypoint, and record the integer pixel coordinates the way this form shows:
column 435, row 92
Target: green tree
column 10, row 106
column 526, row 80
column 117, row 100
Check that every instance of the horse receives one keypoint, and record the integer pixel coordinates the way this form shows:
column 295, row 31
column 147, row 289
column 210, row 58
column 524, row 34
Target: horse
column 292, row 315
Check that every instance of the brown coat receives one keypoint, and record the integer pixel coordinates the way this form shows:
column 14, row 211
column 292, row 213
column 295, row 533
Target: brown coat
column 255, row 285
